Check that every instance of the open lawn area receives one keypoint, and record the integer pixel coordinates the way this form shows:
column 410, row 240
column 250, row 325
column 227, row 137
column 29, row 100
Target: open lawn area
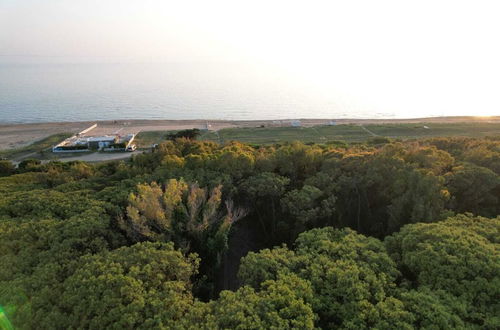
column 323, row 134
column 146, row 138
column 351, row 133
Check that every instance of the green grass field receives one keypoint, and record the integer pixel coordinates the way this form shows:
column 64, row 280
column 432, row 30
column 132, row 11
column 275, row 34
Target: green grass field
column 352, row 133
column 407, row 131
column 146, row 139
column 323, row 134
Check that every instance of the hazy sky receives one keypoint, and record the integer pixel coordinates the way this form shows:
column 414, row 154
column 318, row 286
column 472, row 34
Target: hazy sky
column 388, row 54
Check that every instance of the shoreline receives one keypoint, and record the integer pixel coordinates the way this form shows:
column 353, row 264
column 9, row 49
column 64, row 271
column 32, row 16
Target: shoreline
column 19, row 135
column 346, row 120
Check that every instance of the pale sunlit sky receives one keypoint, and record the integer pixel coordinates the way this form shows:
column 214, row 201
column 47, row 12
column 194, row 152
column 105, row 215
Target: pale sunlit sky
column 398, row 56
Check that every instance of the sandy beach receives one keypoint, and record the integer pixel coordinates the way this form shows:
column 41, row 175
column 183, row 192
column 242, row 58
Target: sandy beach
column 18, row 135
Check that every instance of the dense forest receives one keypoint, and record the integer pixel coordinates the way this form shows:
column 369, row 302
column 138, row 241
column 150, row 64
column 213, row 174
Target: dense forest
column 198, row 235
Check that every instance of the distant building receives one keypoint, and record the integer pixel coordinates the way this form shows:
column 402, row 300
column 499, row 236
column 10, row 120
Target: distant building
column 296, row 123
column 101, row 142
column 206, row 127
column 82, row 143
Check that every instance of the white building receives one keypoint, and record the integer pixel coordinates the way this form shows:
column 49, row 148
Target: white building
column 101, row 142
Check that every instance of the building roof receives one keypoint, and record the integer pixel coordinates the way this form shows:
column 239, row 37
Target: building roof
column 101, row 138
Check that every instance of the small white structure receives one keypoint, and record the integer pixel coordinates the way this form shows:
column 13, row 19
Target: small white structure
column 101, row 142
column 332, row 123
column 296, row 123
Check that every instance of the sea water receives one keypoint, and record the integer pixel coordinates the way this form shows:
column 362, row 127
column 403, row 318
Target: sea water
column 49, row 92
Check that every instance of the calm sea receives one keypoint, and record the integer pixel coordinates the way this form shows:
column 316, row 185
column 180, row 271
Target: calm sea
column 32, row 93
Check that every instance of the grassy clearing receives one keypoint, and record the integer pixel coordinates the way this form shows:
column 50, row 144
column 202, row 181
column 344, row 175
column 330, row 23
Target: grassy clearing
column 408, row 131
column 269, row 135
column 352, row 133
column 323, row 134
column 146, row 139
column 38, row 149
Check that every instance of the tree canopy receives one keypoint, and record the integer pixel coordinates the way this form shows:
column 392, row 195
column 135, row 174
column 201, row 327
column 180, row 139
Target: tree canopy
column 195, row 234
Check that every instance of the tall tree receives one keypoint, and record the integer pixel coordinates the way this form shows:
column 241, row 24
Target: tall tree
column 474, row 189
column 194, row 218
column 146, row 285
column 456, row 255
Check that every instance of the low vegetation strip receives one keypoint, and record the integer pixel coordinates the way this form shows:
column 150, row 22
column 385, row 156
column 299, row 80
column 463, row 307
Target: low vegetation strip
column 269, row 135
column 35, row 149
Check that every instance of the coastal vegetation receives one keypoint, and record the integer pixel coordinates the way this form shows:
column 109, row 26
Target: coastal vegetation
column 37, row 149
column 335, row 133
column 196, row 234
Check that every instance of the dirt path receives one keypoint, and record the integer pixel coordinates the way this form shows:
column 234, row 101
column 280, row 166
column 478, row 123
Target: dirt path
column 100, row 156
column 368, row 131
column 91, row 158
column 321, row 137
